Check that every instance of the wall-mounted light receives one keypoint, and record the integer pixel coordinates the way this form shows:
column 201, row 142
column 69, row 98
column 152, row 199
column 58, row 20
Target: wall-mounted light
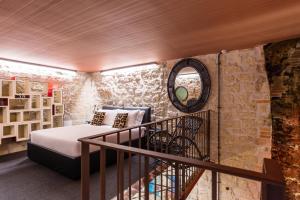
column 129, row 69
column 35, row 69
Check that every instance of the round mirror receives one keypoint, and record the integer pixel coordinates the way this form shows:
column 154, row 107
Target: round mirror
column 189, row 85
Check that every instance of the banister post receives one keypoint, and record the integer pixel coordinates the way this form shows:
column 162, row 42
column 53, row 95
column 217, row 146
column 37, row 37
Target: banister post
column 213, row 185
column 147, row 178
column 208, row 134
column 102, row 173
column 85, row 171
column 177, row 185
column 271, row 191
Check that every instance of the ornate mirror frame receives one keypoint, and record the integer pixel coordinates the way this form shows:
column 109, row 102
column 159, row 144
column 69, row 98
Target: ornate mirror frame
column 205, row 80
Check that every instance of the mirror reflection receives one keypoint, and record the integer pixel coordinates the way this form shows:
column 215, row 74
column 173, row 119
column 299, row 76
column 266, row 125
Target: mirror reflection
column 188, row 86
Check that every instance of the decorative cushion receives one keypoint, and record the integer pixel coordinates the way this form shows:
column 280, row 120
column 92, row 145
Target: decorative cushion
column 139, row 118
column 120, row 120
column 132, row 116
column 98, row 118
column 110, row 116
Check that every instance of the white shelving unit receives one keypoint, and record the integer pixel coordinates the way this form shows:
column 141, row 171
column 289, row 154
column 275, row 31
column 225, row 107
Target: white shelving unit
column 23, row 111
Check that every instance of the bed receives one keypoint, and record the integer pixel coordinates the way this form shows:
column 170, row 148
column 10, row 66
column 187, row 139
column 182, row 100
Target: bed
column 59, row 149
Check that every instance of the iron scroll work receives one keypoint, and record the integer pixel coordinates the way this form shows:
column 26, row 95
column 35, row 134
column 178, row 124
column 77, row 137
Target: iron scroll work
column 200, row 68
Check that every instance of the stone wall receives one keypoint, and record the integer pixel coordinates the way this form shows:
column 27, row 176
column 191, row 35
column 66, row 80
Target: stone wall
column 134, row 87
column 245, row 119
column 283, row 67
column 77, row 98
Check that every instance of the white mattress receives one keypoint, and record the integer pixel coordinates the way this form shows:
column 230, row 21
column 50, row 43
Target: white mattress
column 64, row 140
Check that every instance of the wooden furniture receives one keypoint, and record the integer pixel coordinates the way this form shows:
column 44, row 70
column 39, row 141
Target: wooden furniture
column 23, row 109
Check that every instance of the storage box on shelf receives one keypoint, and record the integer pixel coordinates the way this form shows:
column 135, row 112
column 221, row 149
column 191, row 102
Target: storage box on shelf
column 25, row 107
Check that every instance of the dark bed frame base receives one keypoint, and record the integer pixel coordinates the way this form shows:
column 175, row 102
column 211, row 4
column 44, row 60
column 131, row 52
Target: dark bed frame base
column 70, row 166
column 65, row 165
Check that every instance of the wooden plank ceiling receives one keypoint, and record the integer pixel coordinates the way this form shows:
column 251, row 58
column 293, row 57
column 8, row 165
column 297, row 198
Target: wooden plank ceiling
column 89, row 35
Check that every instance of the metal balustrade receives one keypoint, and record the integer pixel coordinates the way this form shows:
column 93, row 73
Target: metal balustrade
column 172, row 155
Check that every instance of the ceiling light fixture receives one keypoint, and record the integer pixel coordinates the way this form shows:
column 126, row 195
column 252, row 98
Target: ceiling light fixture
column 130, row 68
column 36, row 69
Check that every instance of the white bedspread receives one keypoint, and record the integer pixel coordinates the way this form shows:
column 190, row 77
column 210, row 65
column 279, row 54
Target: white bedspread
column 64, row 140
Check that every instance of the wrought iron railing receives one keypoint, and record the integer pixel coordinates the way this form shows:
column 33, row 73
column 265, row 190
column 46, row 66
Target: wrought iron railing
column 172, row 154
column 186, row 136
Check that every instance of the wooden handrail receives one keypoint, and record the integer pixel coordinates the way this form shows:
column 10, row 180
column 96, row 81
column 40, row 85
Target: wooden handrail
column 272, row 168
column 265, row 178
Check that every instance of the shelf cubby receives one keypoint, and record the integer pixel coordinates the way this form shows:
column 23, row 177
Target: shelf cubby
column 47, row 102
column 38, row 87
column 18, row 104
column 8, row 131
column 7, row 88
column 32, row 116
column 15, row 117
column 3, row 102
column 35, row 101
column 22, row 87
column 35, row 126
column 23, row 132
column 57, row 121
column 3, row 115
column 58, row 109
column 46, row 126
column 47, row 115
column 57, row 96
